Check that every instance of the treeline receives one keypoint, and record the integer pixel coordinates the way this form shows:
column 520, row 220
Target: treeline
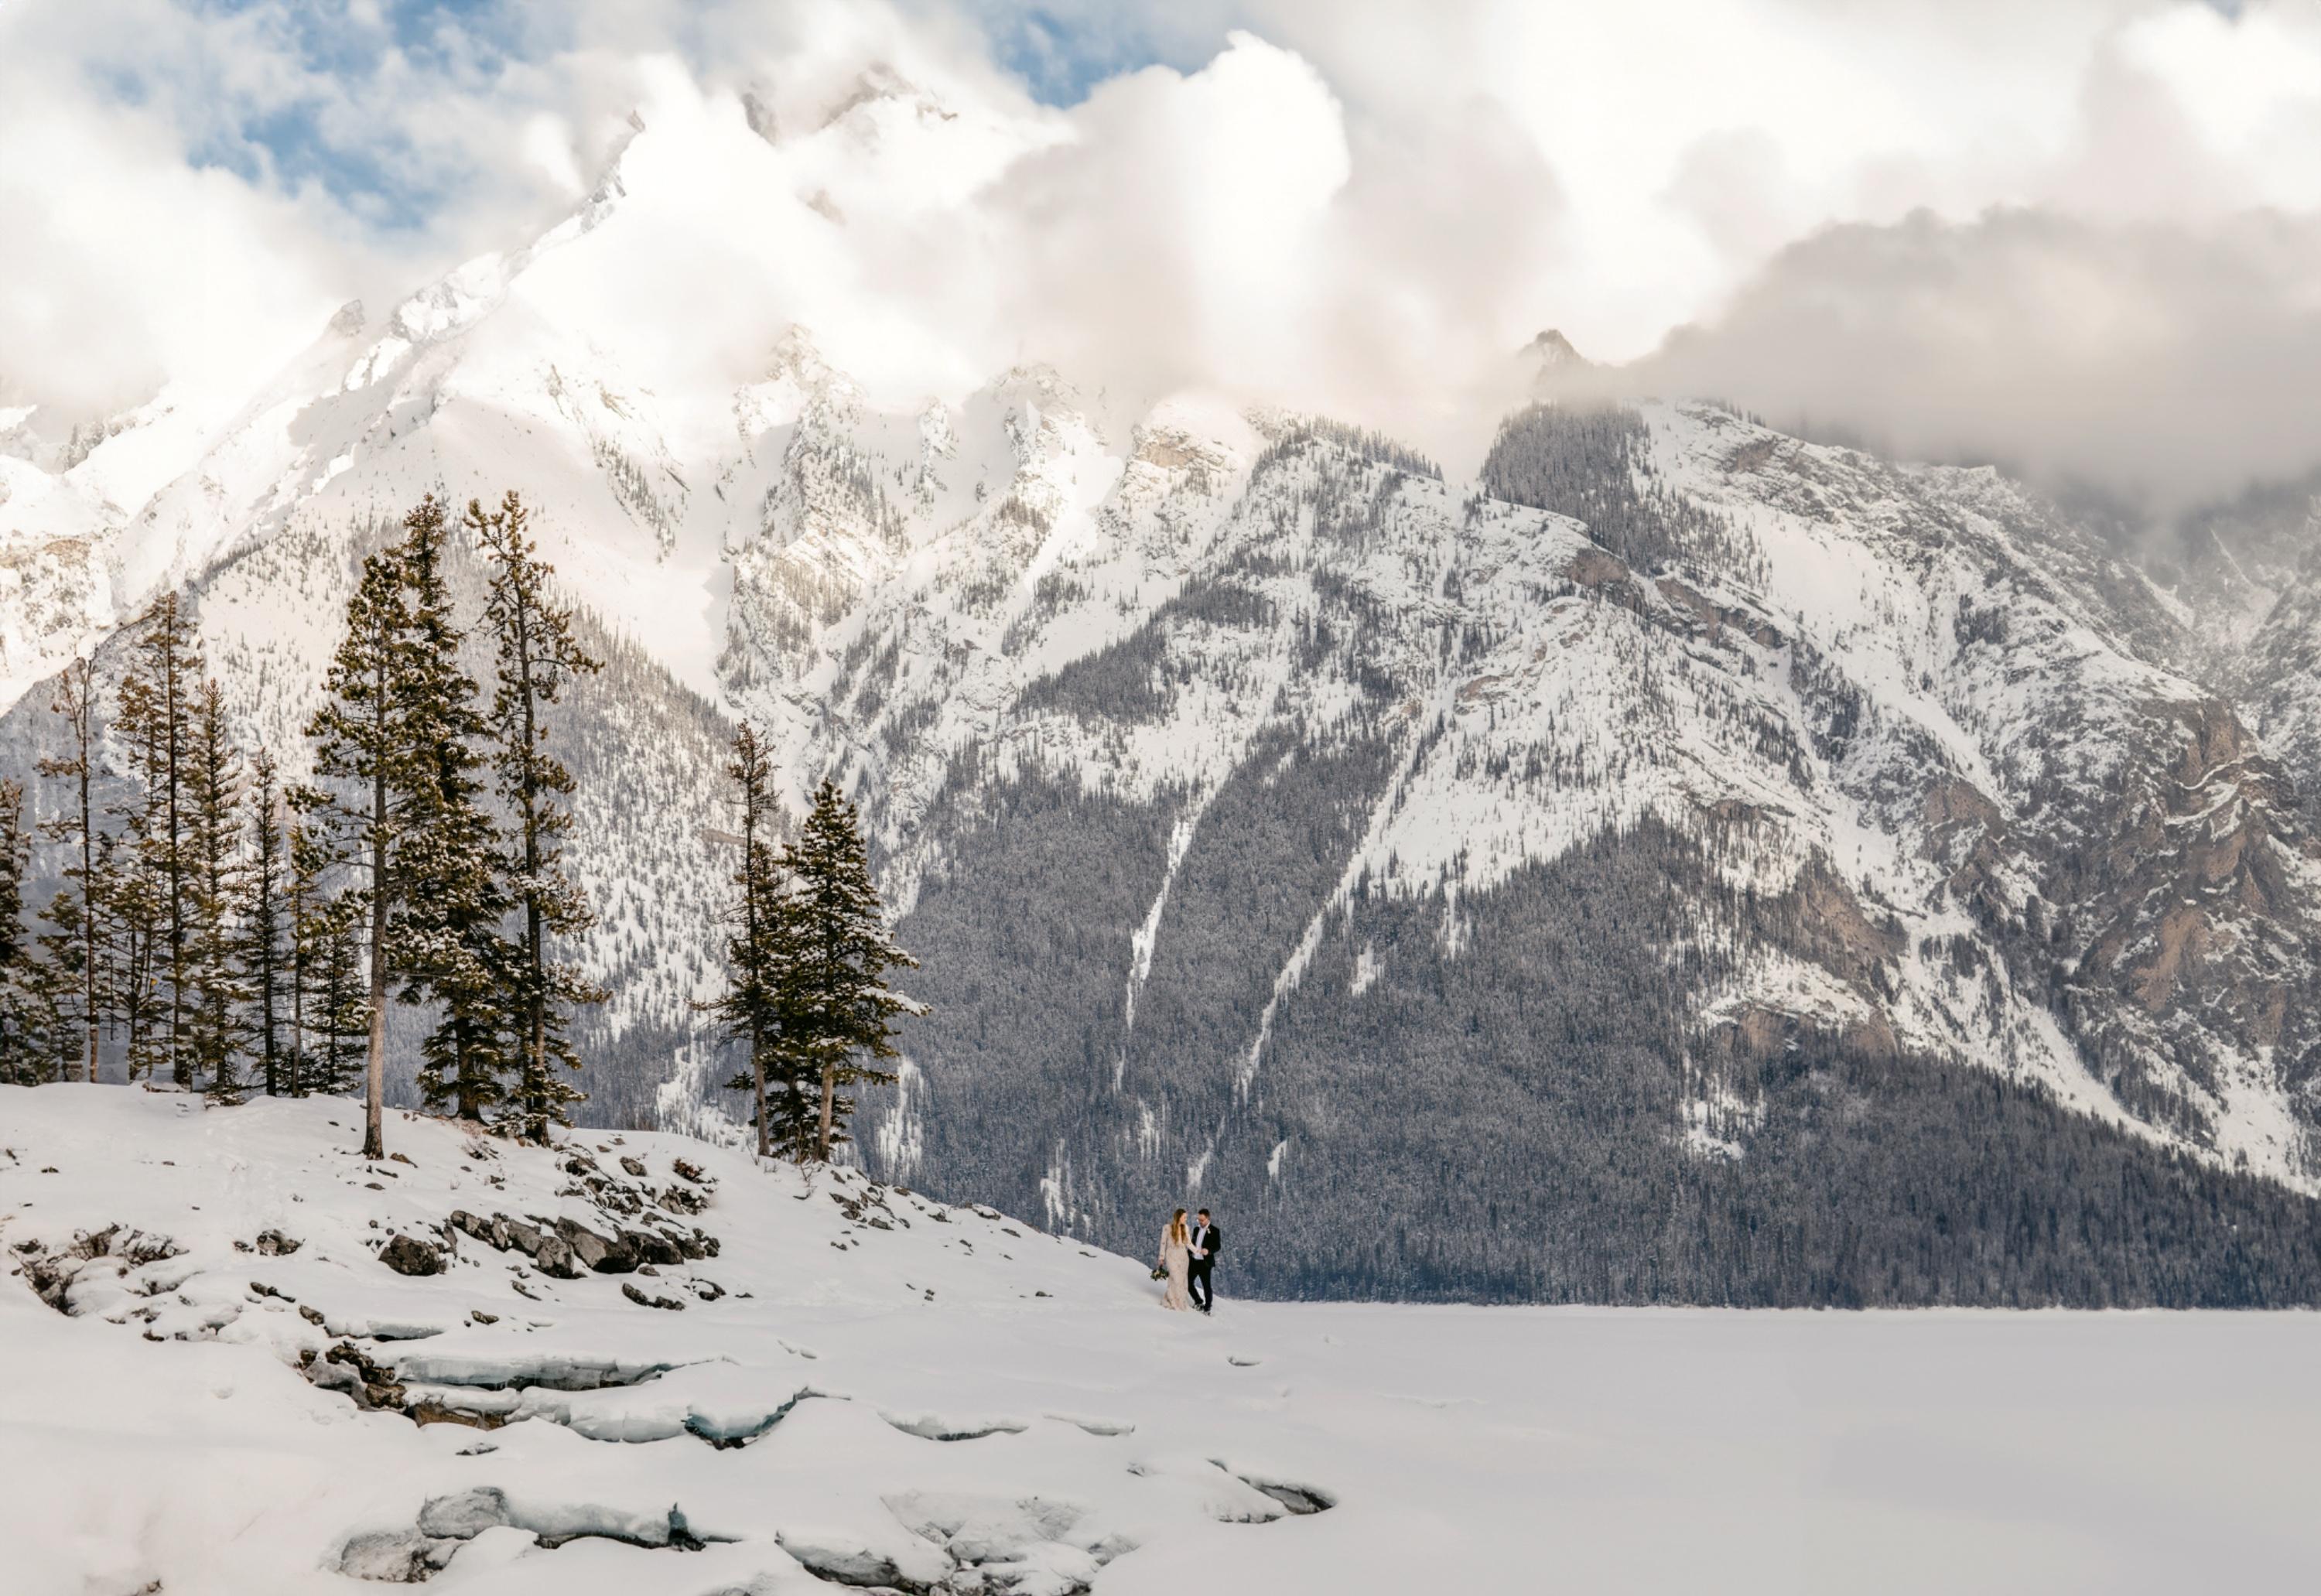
column 228, row 931
column 195, row 926
column 231, row 932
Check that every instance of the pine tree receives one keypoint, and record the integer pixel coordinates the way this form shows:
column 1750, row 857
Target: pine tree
column 835, row 1002
column 264, row 951
column 359, row 741
column 537, row 655
column 305, row 903
column 52, row 995
column 76, row 912
column 22, row 1058
column 337, row 1013
column 749, row 1005
column 215, row 873
column 157, row 723
column 59, row 989
column 130, row 930
column 453, row 899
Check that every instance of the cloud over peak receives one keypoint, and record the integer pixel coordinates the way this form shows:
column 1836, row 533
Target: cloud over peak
column 2151, row 358
column 2077, row 240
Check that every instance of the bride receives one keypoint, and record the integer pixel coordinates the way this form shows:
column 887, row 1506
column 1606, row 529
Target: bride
column 1176, row 1257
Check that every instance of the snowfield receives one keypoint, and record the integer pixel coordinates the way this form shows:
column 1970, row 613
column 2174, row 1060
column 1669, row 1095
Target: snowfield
column 859, row 1387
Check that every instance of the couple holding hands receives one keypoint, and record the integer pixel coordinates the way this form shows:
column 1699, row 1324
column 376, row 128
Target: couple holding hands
column 1187, row 1254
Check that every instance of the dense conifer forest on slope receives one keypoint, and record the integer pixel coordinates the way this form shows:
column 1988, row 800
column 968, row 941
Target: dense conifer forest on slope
column 1525, row 1121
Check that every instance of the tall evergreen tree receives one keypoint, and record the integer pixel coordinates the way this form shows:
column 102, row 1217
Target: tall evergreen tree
column 360, row 741
column 130, row 931
column 52, row 997
column 214, row 875
column 75, row 914
column 454, row 900
column 836, row 1002
column 156, row 720
column 305, row 902
column 23, row 1057
column 537, row 655
column 337, row 1011
column 750, row 1005
column 264, row 949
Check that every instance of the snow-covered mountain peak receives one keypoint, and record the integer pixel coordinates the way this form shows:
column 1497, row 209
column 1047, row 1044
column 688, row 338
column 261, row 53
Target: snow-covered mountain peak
column 797, row 381
column 1552, row 351
column 1194, row 440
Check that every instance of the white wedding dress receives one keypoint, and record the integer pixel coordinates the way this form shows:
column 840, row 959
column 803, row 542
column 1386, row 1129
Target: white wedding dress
column 1176, row 1257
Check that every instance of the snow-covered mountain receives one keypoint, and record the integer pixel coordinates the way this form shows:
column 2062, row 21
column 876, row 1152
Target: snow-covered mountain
column 1540, row 885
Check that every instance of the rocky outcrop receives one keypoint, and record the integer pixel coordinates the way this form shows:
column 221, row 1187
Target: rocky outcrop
column 111, row 1253
column 408, row 1254
column 565, row 1248
column 346, row 1368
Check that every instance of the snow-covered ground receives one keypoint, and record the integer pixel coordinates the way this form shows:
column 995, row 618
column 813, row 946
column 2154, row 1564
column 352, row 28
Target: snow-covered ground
column 863, row 1387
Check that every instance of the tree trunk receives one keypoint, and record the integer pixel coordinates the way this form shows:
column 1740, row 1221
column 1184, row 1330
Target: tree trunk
column 758, row 1072
column 750, row 888
column 87, row 883
column 298, row 989
column 181, row 1068
column 374, row 1069
column 539, row 1006
column 829, row 1105
column 267, row 978
column 534, row 951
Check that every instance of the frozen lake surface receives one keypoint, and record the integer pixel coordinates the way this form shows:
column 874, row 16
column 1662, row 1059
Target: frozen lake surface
column 863, row 1387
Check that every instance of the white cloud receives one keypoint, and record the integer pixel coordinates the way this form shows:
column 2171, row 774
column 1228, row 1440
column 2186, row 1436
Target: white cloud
column 1361, row 205
column 2148, row 358
column 120, row 264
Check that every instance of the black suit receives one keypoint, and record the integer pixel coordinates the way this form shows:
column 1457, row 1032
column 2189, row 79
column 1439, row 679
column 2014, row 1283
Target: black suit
column 1209, row 1240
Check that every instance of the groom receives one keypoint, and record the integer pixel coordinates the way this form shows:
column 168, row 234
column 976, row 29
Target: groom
column 1207, row 1239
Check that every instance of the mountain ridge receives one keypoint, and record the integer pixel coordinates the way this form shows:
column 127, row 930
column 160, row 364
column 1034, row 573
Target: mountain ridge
column 1917, row 768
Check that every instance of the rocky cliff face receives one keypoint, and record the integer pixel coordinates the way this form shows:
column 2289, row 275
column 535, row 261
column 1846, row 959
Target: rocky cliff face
column 1536, row 886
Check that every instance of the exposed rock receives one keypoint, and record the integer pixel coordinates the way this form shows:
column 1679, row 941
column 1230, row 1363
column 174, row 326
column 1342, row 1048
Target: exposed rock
column 652, row 1247
column 433, row 1409
column 408, row 1254
column 1300, row 1499
column 468, row 1513
column 395, row 1556
column 51, row 1274
column 857, row 1566
column 555, row 1259
column 613, row 1255
column 345, row 1367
